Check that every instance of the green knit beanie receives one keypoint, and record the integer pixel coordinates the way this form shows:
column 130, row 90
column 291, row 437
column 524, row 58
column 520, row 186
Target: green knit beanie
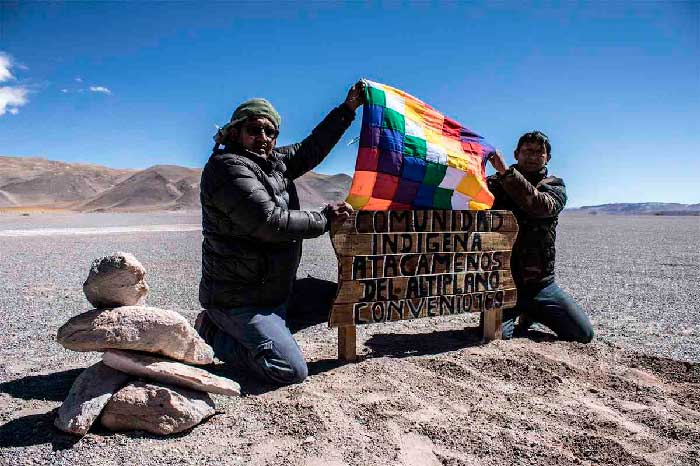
column 250, row 108
column 256, row 108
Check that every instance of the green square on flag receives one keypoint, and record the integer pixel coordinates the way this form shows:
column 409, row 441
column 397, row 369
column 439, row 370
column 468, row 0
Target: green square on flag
column 442, row 199
column 434, row 173
column 394, row 120
column 414, row 146
column 375, row 96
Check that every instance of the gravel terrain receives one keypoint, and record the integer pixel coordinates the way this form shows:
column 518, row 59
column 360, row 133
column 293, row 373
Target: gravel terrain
column 425, row 392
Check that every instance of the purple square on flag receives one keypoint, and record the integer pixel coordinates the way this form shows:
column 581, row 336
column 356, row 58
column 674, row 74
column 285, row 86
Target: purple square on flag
column 486, row 149
column 390, row 163
column 369, row 137
column 406, row 191
column 391, row 140
column 372, row 116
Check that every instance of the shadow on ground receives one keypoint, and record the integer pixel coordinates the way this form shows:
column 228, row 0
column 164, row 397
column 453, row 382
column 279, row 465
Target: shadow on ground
column 35, row 429
column 54, row 387
column 310, row 303
column 401, row 345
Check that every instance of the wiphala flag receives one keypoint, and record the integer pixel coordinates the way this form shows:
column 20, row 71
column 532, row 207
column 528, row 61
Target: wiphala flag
column 414, row 157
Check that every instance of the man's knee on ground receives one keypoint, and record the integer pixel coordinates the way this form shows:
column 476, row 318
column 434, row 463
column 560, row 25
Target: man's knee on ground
column 283, row 367
column 582, row 335
column 586, row 335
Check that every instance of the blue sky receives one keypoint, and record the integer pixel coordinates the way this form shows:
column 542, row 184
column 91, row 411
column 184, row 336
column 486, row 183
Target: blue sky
column 615, row 85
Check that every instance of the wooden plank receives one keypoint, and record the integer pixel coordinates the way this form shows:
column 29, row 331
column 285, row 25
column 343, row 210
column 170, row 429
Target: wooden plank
column 397, row 265
column 413, row 221
column 493, row 320
column 409, row 243
column 420, row 286
column 347, row 343
column 407, row 309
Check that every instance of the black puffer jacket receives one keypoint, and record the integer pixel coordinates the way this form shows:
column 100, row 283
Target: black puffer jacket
column 536, row 201
column 251, row 224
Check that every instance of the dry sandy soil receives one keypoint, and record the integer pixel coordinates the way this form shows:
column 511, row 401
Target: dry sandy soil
column 425, row 392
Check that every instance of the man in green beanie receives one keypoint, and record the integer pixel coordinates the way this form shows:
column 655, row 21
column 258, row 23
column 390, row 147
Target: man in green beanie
column 253, row 231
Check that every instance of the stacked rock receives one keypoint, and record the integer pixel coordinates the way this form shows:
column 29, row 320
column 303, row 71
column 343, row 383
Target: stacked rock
column 145, row 380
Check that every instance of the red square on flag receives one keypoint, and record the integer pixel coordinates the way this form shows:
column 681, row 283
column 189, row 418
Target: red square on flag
column 385, row 186
column 451, row 128
column 399, row 206
column 367, row 159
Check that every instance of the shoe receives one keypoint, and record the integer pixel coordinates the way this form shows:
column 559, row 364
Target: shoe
column 522, row 326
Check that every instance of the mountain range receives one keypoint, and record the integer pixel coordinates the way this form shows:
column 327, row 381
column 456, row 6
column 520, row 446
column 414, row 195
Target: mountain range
column 640, row 208
column 41, row 184
column 32, row 183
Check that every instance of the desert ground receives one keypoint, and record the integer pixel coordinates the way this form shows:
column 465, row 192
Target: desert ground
column 424, row 392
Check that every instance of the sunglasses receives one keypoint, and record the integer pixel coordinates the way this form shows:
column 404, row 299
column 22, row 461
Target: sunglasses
column 259, row 130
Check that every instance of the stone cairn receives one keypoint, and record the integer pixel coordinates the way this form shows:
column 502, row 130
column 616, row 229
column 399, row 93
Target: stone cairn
column 146, row 379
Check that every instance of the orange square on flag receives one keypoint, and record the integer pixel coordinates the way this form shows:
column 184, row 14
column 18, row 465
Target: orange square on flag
column 377, row 204
column 363, row 183
column 433, row 119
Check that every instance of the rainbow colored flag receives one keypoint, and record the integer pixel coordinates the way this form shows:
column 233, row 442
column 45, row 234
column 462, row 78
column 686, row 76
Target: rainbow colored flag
column 413, row 157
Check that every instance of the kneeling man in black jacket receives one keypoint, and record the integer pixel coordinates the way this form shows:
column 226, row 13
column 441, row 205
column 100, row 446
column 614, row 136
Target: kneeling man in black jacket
column 253, row 230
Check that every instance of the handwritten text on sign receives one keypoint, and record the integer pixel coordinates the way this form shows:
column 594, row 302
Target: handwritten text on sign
column 395, row 265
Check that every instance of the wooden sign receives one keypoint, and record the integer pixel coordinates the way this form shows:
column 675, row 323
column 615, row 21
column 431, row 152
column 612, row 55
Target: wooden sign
column 408, row 264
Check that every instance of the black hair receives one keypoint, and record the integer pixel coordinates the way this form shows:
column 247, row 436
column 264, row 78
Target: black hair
column 538, row 137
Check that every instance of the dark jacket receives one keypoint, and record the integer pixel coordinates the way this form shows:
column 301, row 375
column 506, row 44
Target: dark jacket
column 536, row 201
column 251, row 222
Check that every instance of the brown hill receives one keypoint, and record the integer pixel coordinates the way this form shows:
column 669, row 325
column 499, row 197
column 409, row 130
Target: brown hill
column 316, row 189
column 161, row 187
column 36, row 183
column 31, row 181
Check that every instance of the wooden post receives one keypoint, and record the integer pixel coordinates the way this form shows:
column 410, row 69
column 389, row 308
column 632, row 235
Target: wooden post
column 493, row 320
column 347, row 343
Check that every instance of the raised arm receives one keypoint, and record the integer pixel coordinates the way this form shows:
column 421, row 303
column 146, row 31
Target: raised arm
column 547, row 199
column 305, row 155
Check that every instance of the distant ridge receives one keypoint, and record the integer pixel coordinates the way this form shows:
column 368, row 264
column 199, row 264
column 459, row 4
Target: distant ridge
column 32, row 183
column 161, row 187
column 640, row 208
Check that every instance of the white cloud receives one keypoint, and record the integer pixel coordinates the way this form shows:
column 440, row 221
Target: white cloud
column 11, row 98
column 65, row 91
column 101, row 89
column 78, row 79
column 5, row 66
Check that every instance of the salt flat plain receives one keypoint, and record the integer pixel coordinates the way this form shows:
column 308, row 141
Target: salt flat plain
column 637, row 277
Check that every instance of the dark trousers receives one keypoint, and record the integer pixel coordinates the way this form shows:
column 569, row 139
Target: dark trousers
column 254, row 340
column 257, row 340
column 554, row 308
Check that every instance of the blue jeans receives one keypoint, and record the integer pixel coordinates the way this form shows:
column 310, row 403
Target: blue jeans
column 554, row 308
column 255, row 340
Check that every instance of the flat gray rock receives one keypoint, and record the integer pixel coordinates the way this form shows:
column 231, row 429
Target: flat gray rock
column 137, row 328
column 170, row 372
column 116, row 280
column 157, row 409
column 89, row 394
